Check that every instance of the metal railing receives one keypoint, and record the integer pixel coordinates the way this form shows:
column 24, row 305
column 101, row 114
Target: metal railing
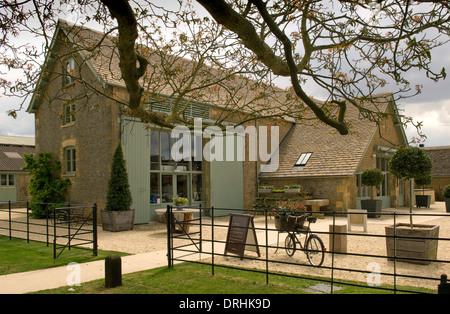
column 63, row 226
column 383, row 271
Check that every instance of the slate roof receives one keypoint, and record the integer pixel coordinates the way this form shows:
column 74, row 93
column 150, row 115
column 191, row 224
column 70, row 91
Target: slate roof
column 104, row 62
column 440, row 156
column 12, row 150
column 332, row 154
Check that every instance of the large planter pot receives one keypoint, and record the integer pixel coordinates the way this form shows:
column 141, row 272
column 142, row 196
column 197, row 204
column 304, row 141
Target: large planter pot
column 447, row 204
column 424, row 247
column 373, row 207
column 423, row 201
column 117, row 220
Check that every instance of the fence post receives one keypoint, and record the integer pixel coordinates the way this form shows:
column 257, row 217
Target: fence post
column 200, row 222
column 28, row 225
column 10, row 226
column 267, row 247
column 94, row 230
column 54, row 232
column 169, row 230
column 212, row 240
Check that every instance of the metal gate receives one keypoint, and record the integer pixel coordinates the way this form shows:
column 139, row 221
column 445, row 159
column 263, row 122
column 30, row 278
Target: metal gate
column 74, row 226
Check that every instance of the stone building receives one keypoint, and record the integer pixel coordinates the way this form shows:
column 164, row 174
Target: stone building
column 13, row 180
column 331, row 165
column 440, row 156
column 83, row 133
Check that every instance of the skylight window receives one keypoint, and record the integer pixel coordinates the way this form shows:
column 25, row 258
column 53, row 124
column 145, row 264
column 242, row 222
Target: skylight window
column 302, row 160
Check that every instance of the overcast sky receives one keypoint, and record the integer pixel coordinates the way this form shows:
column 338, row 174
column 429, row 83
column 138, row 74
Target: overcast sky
column 432, row 107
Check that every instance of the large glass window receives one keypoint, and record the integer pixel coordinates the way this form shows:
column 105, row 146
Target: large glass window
column 7, row 180
column 170, row 178
column 383, row 165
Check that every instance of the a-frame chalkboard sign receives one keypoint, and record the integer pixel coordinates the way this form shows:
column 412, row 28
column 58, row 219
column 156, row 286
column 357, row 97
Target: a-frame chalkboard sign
column 241, row 231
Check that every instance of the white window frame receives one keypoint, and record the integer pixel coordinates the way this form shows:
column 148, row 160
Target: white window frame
column 303, row 160
column 69, row 68
column 69, row 114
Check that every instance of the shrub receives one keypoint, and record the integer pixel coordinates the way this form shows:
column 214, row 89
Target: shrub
column 45, row 185
column 447, row 191
column 372, row 177
column 119, row 196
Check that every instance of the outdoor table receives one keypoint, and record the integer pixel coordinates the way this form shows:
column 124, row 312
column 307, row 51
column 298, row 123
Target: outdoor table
column 183, row 216
column 315, row 206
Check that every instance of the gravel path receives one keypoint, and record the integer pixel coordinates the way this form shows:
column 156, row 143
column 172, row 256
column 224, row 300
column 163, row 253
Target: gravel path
column 152, row 237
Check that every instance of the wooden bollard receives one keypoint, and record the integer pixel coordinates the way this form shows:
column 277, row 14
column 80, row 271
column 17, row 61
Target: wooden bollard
column 113, row 271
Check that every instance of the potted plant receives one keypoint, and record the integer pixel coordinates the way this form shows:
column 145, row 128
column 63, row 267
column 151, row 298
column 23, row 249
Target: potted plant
column 265, row 188
column 294, row 188
column 411, row 163
column 289, row 215
column 180, row 202
column 117, row 215
column 447, row 197
column 372, row 177
column 423, row 200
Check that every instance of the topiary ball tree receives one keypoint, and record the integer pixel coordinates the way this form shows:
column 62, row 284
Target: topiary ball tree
column 423, row 181
column 410, row 163
column 119, row 196
column 372, row 177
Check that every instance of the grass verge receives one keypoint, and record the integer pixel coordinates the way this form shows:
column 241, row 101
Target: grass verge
column 19, row 256
column 191, row 278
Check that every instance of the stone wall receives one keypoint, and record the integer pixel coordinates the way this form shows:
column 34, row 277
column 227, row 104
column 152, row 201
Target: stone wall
column 94, row 134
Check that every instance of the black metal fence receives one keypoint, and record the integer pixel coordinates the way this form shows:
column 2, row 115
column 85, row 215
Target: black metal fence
column 359, row 258
column 64, row 226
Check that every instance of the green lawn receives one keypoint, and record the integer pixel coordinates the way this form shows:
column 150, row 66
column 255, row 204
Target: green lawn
column 187, row 278
column 19, row 256
column 191, row 278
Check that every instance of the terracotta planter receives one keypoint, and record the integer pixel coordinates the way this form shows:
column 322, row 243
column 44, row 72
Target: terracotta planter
column 117, row 220
column 424, row 247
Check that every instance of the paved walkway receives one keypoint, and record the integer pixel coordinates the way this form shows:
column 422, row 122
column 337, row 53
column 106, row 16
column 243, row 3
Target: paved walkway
column 62, row 276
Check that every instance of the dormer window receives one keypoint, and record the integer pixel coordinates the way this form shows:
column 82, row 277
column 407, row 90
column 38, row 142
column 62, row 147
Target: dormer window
column 302, row 160
column 69, row 75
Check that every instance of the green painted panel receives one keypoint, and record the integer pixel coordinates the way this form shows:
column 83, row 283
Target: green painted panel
column 136, row 149
column 227, row 185
column 8, row 194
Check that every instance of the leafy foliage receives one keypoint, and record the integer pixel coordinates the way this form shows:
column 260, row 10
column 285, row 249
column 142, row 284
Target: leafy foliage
column 410, row 162
column 119, row 195
column 423, row 180
column 447, row 191
column 372, row 177
column 45, row 186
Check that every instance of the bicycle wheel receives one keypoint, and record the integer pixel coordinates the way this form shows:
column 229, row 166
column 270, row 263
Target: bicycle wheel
column 289, row 244
column 315, row 250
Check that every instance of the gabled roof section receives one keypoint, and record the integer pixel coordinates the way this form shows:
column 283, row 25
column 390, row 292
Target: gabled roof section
column 333, row 154
column 100, row 54
column 12, row 149
column 440, row 156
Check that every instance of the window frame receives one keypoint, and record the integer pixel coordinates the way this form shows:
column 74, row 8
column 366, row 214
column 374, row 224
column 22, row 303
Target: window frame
column 70, row 153
column 303, row 160
column 69, row 72
column 69, row 114
column 7, row 177
column 173, row 169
